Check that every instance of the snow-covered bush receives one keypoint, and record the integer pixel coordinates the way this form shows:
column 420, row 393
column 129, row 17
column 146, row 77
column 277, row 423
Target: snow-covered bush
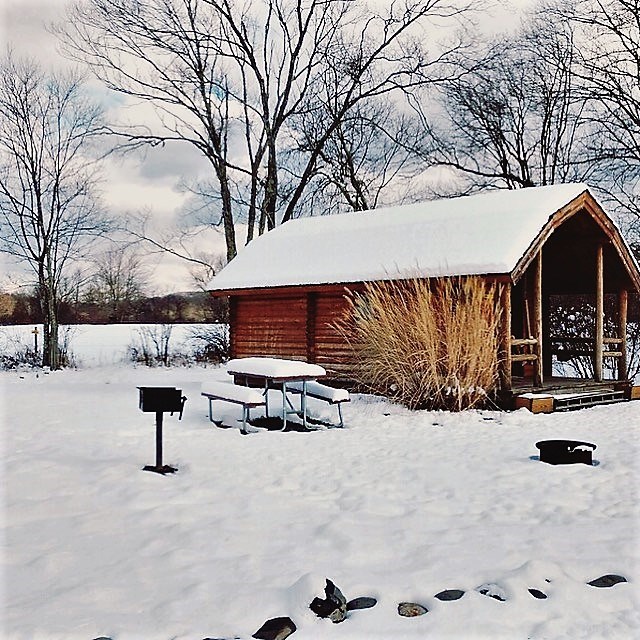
column 209, row 343
column 426, row 344
column 572, row 318
column 151, row 347
column 14, row 353
column 206, row 343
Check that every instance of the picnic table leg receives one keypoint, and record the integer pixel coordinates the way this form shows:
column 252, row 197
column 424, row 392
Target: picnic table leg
column 266, row 397
column 245, row 417
column 284, row 406
column 303, row 404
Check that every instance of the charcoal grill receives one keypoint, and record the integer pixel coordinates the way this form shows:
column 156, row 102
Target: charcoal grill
column 566, row 451
column 161, row 400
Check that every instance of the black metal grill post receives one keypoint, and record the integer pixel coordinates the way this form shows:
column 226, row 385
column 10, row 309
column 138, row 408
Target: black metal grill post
column 158, row 400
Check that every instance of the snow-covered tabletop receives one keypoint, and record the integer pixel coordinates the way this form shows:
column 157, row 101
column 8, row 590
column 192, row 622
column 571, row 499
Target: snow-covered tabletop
column 275, row 368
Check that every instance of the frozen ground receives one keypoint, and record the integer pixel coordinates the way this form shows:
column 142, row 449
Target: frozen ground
column 399, row 505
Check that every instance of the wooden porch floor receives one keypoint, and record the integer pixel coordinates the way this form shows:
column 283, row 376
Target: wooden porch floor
column 564, row 385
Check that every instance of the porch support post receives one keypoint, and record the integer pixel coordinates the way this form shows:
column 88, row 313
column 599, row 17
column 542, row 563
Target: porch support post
column 537, row 318
column 599, row 328
column 623, row 297
column 505, row 336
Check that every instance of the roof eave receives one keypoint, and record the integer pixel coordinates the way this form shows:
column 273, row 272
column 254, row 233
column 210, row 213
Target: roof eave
column 587, row 202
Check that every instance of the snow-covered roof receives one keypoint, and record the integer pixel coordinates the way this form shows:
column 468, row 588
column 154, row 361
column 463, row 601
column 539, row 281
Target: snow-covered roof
column 486, row 233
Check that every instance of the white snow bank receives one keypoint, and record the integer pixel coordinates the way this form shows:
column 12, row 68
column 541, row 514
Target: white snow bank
column 94, row 345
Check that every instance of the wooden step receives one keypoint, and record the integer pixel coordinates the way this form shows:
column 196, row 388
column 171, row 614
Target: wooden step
column 583, row 400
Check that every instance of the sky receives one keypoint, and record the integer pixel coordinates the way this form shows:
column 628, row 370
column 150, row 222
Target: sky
column 142, row 182
column 147, row 182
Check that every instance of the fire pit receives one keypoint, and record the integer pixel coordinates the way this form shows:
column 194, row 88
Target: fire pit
column 566, row 451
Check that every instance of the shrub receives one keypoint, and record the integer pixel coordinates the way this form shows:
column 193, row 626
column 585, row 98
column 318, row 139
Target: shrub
column 210, row 343
column 152, row 345
column 14, row 354
column 426, row 344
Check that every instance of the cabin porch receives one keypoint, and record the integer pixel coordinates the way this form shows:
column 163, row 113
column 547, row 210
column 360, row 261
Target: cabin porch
column 546, row 350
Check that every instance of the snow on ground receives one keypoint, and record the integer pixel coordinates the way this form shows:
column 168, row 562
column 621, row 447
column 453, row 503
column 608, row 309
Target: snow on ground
column 399, row 505
column 98, row 345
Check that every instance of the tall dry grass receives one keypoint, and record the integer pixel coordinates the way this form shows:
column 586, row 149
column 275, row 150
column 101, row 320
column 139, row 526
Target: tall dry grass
column 426, row 344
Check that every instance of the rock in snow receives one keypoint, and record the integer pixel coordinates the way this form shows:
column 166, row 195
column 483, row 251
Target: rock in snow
column 361, row 603
column 334, row 606
column 411, row 609
column 609, row 580
column 492, row 590
column 449, row 594
column 536, row 593
column 275, row 629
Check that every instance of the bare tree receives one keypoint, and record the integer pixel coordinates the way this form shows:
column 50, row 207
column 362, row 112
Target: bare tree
column 608, row 34
column 49, row 209
column 120, row 280
column 229, row 78
column 164, row 53
column 366, row 162
column 516, row 118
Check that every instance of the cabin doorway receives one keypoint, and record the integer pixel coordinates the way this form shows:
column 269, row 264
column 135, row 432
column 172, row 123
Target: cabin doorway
column 569, row 310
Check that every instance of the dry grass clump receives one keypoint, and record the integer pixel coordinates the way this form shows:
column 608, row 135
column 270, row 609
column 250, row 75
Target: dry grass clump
column 426, row 344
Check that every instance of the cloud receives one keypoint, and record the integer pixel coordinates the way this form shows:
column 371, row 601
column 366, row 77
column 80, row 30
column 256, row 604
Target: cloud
column 23, row 24
column 174, row 160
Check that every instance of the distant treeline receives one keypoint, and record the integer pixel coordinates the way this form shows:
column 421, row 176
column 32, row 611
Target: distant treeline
column 23, row 308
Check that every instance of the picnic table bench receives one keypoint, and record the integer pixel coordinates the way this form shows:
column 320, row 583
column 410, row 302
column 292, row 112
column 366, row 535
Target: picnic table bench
column 236, row 394
column 323, row 392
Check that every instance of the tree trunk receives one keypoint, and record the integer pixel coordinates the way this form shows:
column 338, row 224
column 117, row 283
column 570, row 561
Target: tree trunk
column 268, row 209
column 227, row 214
column 50, row 349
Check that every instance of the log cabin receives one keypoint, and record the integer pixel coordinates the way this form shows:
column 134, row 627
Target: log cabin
column 287, row 288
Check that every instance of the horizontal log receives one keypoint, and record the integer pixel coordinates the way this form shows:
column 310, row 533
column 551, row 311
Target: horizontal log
column 258, row 334
column 524, row 357
column 612, row 354
column 272, row 339
column 264, row 328
column 271, row 315
column 521, row 342
column 272, row 311
column 270, row 351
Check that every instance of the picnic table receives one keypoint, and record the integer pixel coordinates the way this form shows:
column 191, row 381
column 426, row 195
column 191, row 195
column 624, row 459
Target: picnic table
column 277, row 372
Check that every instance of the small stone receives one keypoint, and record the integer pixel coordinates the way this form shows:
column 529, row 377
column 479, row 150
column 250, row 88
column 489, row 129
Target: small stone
column 333, row 607
column 610, row 580
column 492, row 590
column 538, row 594
column 411, row 609
column 275, row 629
column 361, row 603
column 449, row 594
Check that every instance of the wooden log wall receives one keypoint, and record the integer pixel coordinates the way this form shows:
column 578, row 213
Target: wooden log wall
column 269, row 326
column 297, row 326
column 331, row 350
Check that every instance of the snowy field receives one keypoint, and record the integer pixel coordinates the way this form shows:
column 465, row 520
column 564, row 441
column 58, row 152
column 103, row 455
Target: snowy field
column 398, row 505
